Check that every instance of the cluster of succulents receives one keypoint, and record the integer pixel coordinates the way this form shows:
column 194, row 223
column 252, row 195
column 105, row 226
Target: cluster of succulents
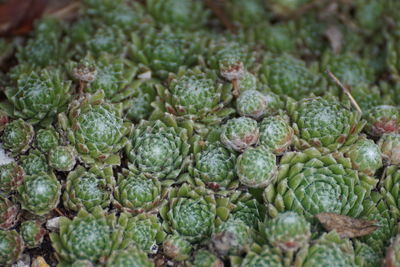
column 197, row 133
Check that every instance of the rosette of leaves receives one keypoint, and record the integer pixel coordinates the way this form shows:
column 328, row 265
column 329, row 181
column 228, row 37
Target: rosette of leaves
column 239, row 133
column 177, row 248
column 232, row 237
column 87, row 189
column 17, row 136
column 389, row 145
column 131, row 256
column 309, row 183
column 32, row 233
column 366, row 256
column 39, row 193
column 136, row 193
column 145, row 231
column 328, row 250
column 376, row 208
column 184, row 14
column 38, row 96
column 88, row 236
column 365, row 156
column 46, row 139
column 34, row 163
column 165, row 51
column 382, row 119
column 213, row 165
column 390, row 189
column 276, row 133
column 323, row 123
column 111, row 74
column 287, row 75
column 159, row 150
column 277, row 38
column 246, row 13
column 204, row 258
column 252, row 103
column 289, row 231
column 259, row 256
column 62, row 158
column 96, row 129
column 11, row 176
column 310, row 35
column 230, row 57
column 194, row 95
column 245, row 207
column 368, row 15
column 192, row 212
column 123, row 14
column 140, row 107
column 46, row 47
column 366, row 96
column 393, row 252
column 9, row 213
column 11, row 247
column 256, row 167
column 350, row 69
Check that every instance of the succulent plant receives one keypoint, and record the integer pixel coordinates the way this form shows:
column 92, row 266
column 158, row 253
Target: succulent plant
column 309, row 183
column 183, row 14
column 278, row 38
column 158, row 150
column 46, row 47
column 245, row 207
column 106, row 72
column 246, row 13
column 190, row 212
column 259, row 256
column 276, row 134
column 213, row 165
column 38, row 96
column 9, row 213
column 252, row 103
column 145, row 232
column 232, row 237
column 204, row 258
column 34, row 163
column 177, row 248
column 289, row 231
column 382, row 119
column 46, row 139
column 87, row 189
column 350, row 69
column 329, row 250
column 193, row 95
column 256, row 167
column 88, row 236
column 165, row 51
column 11, row 247
column 11, row 176
column 393, row 253
column 32, row 233
column 39, row 193
column 230, row 57
column 389, row 145
column 62, row 158
column 239, row 133
column 136, row 193
column 287, row 75
column 131, row 256
column 365, row 156
column 325, row 124
column 375, row 208
column 17, row 136
column 366, row 256
column 96, row 129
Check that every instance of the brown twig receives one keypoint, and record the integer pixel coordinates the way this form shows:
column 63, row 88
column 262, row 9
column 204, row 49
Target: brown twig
column 216, row 8
column 345, row 90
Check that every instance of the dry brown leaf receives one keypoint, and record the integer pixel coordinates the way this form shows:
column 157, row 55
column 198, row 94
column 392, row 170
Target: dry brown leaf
column 345, row 226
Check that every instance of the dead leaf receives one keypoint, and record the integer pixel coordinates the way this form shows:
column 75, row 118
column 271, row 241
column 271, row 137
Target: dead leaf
column 345, row 226
column 335, row 38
